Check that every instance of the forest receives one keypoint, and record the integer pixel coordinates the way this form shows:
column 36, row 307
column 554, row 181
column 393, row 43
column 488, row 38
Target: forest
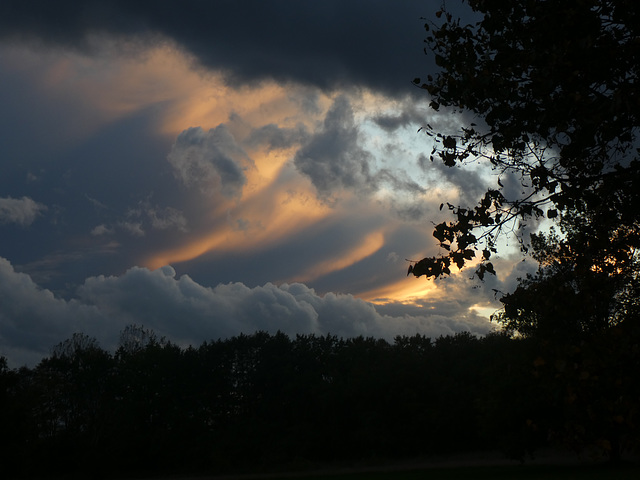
column 270, row 402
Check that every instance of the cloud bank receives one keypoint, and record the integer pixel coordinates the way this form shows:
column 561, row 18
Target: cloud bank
column 32, row 319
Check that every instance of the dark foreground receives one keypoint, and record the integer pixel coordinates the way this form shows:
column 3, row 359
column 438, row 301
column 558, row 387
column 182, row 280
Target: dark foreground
column 627, row 471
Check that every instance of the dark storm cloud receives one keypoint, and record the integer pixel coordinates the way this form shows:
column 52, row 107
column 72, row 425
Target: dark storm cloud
column 328, row 44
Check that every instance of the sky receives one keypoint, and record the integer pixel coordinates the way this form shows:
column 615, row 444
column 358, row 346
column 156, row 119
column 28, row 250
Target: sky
column 211, row 168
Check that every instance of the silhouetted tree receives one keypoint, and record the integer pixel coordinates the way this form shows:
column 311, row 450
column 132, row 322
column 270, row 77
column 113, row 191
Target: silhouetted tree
column 262, row 401
column 74, row 411
column 550, row 92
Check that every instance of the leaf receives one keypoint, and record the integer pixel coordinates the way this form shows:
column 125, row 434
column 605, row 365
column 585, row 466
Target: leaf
column 449, row 142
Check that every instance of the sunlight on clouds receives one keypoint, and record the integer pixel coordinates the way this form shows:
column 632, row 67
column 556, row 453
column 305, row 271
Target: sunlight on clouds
column 404, row 290
column 484, row 309
column 115, row 85
column 268, row 167
column 368, row 246
column 276, row 201
column 269, row 216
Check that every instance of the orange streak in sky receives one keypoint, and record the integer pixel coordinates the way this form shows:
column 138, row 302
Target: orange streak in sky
column 370, row 245
column 406, row 290
column 270, row 215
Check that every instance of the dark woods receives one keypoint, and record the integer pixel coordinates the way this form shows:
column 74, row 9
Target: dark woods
column 267, row 401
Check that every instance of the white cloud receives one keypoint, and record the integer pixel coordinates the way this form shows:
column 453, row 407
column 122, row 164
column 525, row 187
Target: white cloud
column 22, row 211
column 33, row 319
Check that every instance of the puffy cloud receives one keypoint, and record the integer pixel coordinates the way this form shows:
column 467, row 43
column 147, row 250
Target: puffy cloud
column 210, row 160
column 22, row 211
column 333, row 158
column 33, row 319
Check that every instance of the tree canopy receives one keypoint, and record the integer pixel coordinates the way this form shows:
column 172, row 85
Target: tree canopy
column 552, row 89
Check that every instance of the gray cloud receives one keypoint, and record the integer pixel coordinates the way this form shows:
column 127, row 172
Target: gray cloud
column 209, row 160
column 408, row 116
column 22, row 211
column 333, row 158
column 470, row 183
column 33, row 319
column 326, row 44
column 274, row 137
column 159, row 218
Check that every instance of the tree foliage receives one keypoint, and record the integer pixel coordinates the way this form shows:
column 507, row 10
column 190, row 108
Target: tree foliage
column 552, row 88
column 263, row 401
column 268, row 401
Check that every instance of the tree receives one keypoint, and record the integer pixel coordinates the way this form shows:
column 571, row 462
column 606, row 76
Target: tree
column 553, row 87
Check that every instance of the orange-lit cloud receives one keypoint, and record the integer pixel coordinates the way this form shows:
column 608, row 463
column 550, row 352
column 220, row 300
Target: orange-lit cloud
column 270, row 215
column 368, row 246
column 404, row 290
column 276, row 201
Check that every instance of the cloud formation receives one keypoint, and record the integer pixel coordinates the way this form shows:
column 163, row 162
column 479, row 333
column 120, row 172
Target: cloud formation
column 211, row 161
column 22, row 211
column 333, row 158
column 33, row 320
column 329, row 44
column 216, row 168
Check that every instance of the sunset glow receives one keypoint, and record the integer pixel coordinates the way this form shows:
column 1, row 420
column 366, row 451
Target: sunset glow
column 217, row 182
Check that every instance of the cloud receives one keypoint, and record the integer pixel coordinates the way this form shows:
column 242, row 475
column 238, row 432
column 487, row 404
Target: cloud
column 333, row 158
column 22, row 211
column 209, row 160
column 32, row 319
column 409, row 115
column 465, row 186
column 326, row 44
column 133, row 228
column 101, row 229
column 275, row 137
column 159, row 218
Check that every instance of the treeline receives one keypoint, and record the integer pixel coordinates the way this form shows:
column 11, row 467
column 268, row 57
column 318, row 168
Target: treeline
column 270, row 401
